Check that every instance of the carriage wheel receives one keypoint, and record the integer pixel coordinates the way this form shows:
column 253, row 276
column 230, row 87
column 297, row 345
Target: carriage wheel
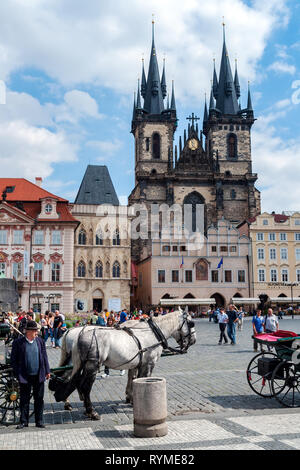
column 9, row 398
column 286, row 384
column 260, row 384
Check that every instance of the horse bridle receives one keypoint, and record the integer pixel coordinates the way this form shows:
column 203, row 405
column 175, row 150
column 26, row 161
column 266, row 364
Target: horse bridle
column 164, row 342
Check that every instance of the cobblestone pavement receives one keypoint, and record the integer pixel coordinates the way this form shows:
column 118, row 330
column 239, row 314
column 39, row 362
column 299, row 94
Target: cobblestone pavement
column 210, row 405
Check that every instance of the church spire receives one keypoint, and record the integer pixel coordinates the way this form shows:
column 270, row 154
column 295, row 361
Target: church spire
column 173, row 103
column 163, row 81
column 237, row 82
column 249, row 103
column 227, row 102
column 154, row 100
column 144, row 82
column 138, row 101
column 215, row 82
column 205, row 117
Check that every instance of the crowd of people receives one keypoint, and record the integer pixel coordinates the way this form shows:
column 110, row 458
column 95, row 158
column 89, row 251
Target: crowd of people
column 231, row 319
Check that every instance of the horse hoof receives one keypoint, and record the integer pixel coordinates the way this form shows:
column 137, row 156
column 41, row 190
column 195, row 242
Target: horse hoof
column 95, row 417
column 68, row 407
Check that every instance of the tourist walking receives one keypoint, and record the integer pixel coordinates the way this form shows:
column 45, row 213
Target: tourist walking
column 241, row 315
column 258, row 327
column 232, row 321
column 31, row 367
column 271, row 324
column 222, row 320
column 57, row 329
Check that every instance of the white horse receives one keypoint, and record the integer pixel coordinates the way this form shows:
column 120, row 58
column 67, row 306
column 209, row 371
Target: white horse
column 135, row 346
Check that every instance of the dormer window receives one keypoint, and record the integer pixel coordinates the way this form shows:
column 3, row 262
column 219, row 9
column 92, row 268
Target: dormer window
column 48, row 208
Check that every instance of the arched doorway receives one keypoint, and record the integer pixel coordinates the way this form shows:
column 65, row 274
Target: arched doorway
column 189, row 296
column 166, row 296
column 98, row 300
column 220, row 301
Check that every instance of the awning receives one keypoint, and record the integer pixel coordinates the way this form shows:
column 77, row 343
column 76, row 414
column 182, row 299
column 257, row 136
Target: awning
column 187, row 301
column 285, row 300
column 244, row 300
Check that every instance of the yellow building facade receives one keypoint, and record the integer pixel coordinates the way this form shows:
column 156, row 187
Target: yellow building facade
column 275, row 242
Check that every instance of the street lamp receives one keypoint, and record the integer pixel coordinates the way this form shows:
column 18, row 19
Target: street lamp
column 31, row 266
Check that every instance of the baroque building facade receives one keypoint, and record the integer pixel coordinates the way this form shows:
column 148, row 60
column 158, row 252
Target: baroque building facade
column 36, row 245
column 102, row 250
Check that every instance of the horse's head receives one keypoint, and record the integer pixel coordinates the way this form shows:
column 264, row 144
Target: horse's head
column 185, row 335
column 59, row 384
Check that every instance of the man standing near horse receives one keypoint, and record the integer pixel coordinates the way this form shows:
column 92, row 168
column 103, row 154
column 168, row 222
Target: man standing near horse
column 31, row 367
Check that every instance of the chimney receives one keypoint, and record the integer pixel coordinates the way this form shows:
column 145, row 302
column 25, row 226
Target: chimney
column 38, row 181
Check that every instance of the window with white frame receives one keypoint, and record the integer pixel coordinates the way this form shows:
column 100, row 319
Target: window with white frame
column 261, row 275
column 272, row 237
column 284, row 253
column 3, row 237
column 260, row 237
column 272, row 253
column 297, row 253
column 265, row 222
column 38, row 272
column 188, row 275
column 273, row 275
column 241, row 275
column 161, row 275
column 297, row 237
column 38, row 238
column 56, row 237
column 261, row 253
column 17, row 271
column 17, row 237
column 284, row 275
column 283, row 237
column 297, row 221
column 55, row 272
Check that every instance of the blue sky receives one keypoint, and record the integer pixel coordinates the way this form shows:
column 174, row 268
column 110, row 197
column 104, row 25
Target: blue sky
column 70, row 71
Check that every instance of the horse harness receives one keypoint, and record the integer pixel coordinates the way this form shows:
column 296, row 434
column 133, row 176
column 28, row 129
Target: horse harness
column 162, row 340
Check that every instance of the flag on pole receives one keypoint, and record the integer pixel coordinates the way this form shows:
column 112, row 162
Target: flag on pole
column 220, row 264
column 182, row 262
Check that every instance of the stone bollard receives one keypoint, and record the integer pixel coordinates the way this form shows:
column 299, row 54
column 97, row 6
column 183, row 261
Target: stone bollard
column 150, row 407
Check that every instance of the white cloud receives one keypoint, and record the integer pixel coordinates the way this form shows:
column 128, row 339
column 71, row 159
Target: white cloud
column 277, row 162
column 282, row 67
column 105, row 147
column 28, row 151
column 102, row 42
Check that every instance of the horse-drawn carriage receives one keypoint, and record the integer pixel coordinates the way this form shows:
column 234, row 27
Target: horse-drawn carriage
column 275, row 372
column 133, row 346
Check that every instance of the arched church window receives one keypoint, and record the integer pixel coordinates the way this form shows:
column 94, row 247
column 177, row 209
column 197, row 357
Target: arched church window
column 116, row 269
column 82, row 237
column 156, row 145
column 232, row 146
column 191, row 210
column 81, row 269
column 99, row 269
column 116, row 238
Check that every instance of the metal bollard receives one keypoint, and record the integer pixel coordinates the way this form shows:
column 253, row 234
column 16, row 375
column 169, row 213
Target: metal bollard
column 150, row 407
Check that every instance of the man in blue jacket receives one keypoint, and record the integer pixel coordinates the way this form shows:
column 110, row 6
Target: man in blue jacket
column 31, row 367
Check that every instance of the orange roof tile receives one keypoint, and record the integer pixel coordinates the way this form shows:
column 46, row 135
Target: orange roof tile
column 24, row 190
